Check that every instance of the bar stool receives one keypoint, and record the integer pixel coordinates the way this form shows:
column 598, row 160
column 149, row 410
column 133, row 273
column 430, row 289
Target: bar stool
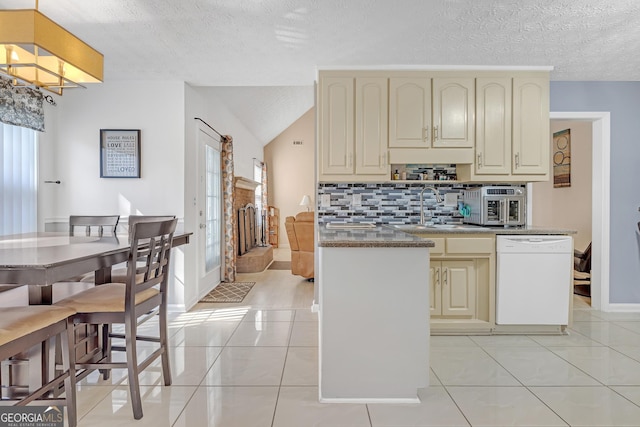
column 124, row 303
column 24, row 327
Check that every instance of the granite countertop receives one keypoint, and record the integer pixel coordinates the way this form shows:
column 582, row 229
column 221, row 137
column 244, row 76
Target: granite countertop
column 387, row 236
column 374, row 237
column 464, row 229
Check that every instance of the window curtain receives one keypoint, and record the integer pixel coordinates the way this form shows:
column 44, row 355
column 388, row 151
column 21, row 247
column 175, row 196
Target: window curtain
column 21, row 106
column 264, row 187
column 18, row 180
column 230, row 243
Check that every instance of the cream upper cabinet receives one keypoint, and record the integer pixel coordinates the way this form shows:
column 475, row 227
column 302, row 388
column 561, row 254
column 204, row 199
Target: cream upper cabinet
column 371, row 116
column 530, row 126
column 493, row 126
column 336, row 126
column 453, row 112
column 409, row 112
column 352, row 128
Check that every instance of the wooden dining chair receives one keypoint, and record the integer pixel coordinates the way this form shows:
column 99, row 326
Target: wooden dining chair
column 24, row 327
column 100, row 222
column 119, row 274
column 124, row 303
column 93, row 224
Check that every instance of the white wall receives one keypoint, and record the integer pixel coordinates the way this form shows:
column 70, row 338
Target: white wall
column 291, row 169
column 195, row 106
column 156, row 108
column 246, row 146
column 70, row 152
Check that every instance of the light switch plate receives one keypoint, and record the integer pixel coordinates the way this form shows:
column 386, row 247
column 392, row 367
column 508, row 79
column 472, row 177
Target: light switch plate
column 325, row 200
column 356, row 200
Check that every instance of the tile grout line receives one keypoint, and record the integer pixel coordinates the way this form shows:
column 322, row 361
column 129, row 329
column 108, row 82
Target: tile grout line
column 525, row 386
column 446, row 389
column 284, row 366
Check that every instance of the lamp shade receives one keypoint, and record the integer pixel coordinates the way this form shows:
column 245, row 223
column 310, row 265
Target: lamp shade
column 34, row 50
column 306, row 201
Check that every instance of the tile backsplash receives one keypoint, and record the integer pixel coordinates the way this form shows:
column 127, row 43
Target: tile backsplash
column 386, row 203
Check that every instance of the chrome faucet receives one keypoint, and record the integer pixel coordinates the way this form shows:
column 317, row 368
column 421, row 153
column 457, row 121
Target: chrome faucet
column 438, row 199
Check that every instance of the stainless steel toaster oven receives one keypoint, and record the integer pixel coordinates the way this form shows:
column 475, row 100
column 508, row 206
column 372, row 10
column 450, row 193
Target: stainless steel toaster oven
column 495, row 205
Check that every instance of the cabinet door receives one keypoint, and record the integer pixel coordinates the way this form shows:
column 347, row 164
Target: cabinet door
column 458, row 288
column 531, row 126
column 453, row 112
column 435, row 289
column 371, row 126
column 493, row 126
column 336, row 125
column 409, row 112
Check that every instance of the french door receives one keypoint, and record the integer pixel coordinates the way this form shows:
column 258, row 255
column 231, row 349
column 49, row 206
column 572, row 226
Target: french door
column 209, row 211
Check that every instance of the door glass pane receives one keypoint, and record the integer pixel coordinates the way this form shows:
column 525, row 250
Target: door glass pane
column 493, row 210
column 514, row 210
column 212, row 209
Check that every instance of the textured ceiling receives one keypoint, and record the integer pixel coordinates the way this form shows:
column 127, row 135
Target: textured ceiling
column 280, row 42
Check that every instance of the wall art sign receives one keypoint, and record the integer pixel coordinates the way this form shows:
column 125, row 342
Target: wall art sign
column 562, row 158
column 119, row 153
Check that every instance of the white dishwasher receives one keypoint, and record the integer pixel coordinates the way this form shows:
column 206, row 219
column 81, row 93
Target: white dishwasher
column 533, row 279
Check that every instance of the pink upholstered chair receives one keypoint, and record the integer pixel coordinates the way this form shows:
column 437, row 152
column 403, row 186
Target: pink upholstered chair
column 300, row 231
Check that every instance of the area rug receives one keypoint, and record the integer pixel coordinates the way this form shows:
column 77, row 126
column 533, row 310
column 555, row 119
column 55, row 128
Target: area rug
column 280, row 265
column 229, row 292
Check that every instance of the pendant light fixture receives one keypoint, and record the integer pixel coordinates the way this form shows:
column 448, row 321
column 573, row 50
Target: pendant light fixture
column 35, row 51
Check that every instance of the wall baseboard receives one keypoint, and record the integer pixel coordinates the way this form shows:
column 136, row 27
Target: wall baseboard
column 624, row 308
column 176, row 308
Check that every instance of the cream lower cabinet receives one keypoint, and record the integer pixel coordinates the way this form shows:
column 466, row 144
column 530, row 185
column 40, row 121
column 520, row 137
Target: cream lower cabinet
column 453, row 288
column 462, row 283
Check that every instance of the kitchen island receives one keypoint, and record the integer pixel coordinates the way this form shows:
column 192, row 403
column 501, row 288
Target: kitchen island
column 374, row 315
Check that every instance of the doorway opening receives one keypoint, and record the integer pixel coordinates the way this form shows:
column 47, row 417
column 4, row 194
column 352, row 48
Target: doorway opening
column 600, row 196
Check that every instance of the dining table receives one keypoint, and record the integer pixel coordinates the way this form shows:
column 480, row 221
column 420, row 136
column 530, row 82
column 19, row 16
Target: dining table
column 41, row 259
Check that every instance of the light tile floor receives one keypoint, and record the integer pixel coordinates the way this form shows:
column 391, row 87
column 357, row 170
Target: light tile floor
column 256, row 364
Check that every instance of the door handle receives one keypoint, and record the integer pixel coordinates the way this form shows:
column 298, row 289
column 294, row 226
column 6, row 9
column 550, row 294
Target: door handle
column 517, row 160
column 437, row 276
column 445, row 279
column 435, row 133
column 203, row 226
column 425, row 133
column 479, row 160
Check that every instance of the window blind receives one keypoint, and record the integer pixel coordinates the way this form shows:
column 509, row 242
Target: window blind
column 18, row 180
